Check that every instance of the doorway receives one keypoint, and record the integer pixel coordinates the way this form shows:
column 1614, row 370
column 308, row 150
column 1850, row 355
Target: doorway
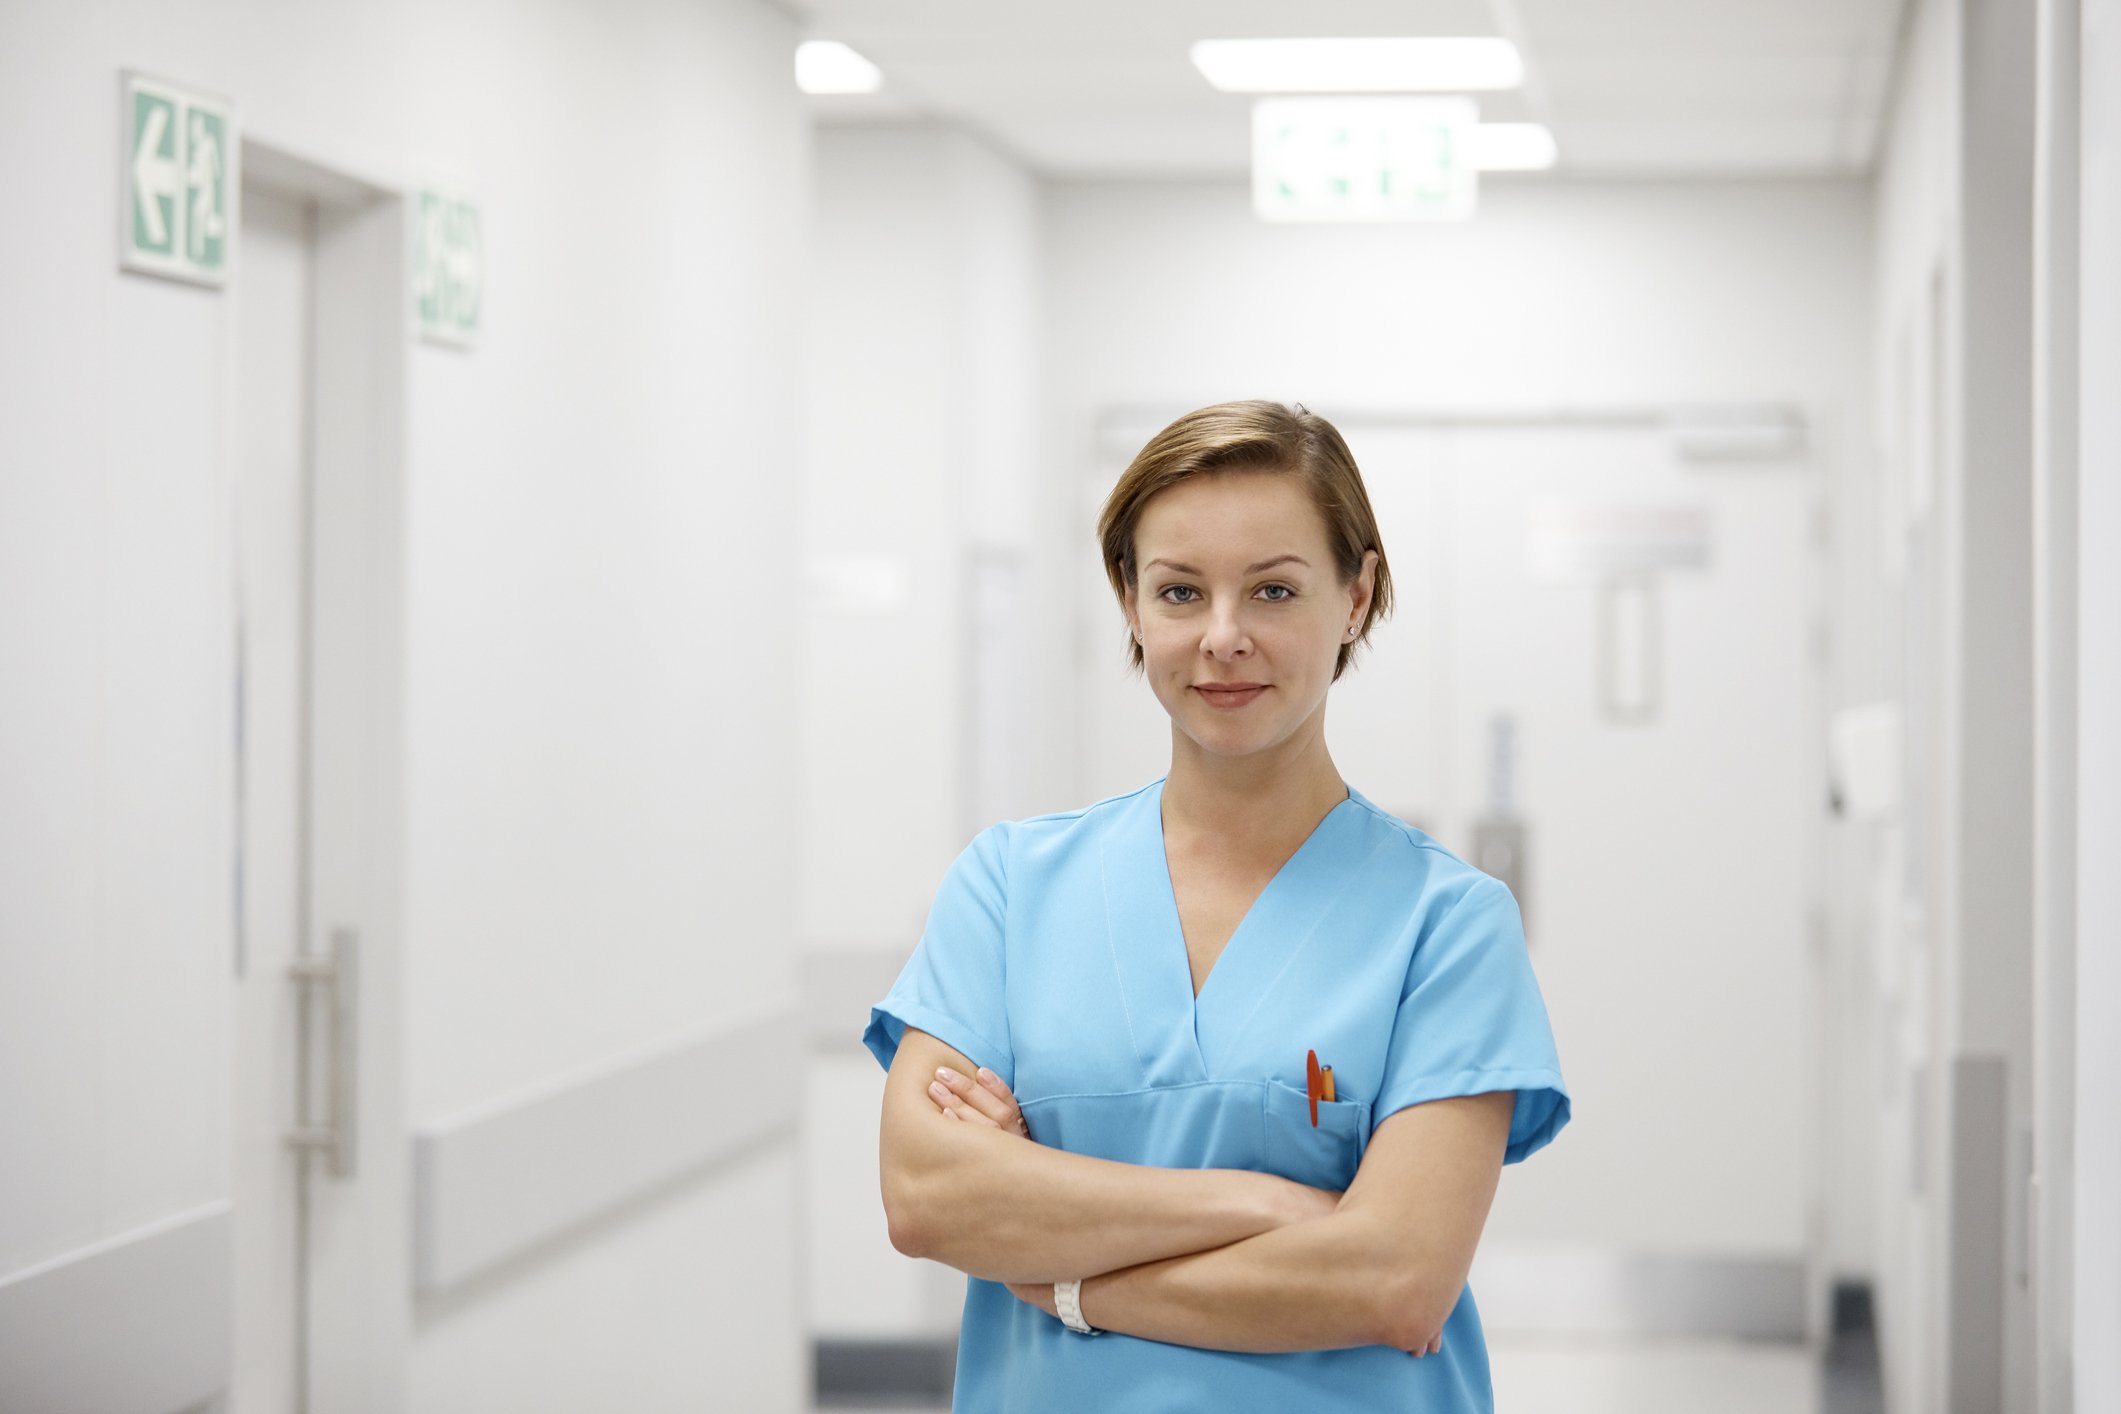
column 321, row 1282
column 273, row 495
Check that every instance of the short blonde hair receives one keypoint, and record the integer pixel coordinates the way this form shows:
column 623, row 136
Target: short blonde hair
column 1251, row 435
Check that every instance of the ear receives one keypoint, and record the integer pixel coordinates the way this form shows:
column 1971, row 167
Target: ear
column 1364, row 587
column 1129, row 601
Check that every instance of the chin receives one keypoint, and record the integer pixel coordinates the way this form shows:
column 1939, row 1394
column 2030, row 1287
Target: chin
column 1231, row 743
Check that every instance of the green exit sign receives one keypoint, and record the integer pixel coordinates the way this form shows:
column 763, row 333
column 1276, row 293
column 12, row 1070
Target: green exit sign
column 1364, row 159
column 178, row 173
column 449, row 268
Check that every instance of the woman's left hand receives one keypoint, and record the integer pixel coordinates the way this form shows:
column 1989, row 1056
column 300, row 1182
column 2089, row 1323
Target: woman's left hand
column 985, row 1100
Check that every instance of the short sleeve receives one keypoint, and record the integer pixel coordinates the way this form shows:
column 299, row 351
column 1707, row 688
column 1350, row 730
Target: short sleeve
column 1471, row 1020
column 951, row 987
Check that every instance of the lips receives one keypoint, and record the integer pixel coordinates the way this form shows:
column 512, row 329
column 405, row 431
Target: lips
column 1229, row 695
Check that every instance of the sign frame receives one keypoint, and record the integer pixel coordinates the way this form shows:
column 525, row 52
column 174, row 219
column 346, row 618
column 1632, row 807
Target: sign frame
column 442, row 201
column 182, row 103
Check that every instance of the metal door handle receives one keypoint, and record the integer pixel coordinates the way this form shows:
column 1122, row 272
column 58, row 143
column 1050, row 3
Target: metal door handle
column 339, row 974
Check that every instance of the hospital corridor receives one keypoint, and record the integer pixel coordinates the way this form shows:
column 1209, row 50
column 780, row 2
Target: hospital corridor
column 640, row 641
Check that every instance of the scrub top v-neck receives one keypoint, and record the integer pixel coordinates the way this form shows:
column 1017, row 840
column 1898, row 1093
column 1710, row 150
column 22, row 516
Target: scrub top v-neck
column 1054, row 955
column 1178, row 1033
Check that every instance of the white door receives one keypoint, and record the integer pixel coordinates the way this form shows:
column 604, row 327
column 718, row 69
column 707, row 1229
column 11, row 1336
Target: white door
column 1669, row 852
column 321, row 1294
column 274, row 299
column 161, row 1246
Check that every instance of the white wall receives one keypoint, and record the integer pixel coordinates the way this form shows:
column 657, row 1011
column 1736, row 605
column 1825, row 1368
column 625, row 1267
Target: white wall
column 603, row 680
column 918, row 445
column 928, row 681
column 1916, row 194
column 1955, row 561
column 116, row 790
column 2097, row 1245
column 2058, row 580
column 1559, row 295
column 601, row 685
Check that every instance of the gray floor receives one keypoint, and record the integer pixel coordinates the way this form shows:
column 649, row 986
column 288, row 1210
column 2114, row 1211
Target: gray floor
column 1581, row 1375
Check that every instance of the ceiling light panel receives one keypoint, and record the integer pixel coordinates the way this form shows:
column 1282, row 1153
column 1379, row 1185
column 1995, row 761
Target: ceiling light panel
column 828, row 66
column 1394, row 65
column 1512, row 147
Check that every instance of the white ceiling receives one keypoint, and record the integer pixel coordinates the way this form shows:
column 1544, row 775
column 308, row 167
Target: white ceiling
column 1094, row 88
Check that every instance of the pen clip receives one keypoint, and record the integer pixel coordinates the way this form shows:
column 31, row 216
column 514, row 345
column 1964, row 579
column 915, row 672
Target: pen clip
column 1313, row 1086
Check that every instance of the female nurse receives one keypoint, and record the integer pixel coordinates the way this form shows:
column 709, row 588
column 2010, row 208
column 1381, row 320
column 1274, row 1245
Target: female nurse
column 1099, row 1101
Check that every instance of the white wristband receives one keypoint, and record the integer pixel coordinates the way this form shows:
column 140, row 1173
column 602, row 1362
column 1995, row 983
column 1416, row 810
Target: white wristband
column 1068, row 1300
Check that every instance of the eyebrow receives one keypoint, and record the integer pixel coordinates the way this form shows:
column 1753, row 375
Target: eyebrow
column 1249, row 569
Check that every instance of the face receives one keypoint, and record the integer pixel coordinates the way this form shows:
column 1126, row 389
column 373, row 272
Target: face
column 1240, row 608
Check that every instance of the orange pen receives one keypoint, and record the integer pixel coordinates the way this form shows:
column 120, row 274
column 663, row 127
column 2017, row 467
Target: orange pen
column 1318, row 1083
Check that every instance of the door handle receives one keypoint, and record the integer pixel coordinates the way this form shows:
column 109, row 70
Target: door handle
column 337, row 976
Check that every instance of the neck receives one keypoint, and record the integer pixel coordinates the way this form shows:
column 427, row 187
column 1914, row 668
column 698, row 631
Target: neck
column 1258, row 799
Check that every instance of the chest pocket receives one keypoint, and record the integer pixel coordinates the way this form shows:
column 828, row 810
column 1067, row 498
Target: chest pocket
column 1325, row 1157
column 1259, row 1125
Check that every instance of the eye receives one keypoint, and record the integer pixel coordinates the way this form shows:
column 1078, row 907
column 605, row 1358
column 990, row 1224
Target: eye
column 1170, row 589
column 1286, row 593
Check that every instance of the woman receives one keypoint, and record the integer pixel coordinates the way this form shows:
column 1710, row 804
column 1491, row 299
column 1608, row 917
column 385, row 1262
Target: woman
column 1099, row 1103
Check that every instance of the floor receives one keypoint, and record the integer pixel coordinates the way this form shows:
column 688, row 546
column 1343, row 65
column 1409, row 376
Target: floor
column 1584, row 1375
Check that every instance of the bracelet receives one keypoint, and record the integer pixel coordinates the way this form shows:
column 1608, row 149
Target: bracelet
column 1068, row 1300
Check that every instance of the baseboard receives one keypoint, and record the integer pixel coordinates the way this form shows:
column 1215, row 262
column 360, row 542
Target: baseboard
column 886, row 1374
column 1851, row 1379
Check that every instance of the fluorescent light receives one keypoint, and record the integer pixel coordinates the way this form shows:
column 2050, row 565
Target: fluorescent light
column 828, row 66
column 1512, row 147
column 1399, row 65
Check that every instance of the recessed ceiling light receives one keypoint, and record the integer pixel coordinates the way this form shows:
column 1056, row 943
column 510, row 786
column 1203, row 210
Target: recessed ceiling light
column 1512, row 147
column 828, row 66
column 1397, row 65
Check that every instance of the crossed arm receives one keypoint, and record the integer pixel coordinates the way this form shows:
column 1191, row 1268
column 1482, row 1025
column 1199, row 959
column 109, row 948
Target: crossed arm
column 1223, row 1259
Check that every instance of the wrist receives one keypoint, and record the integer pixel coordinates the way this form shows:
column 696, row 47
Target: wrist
column 1067, row 1304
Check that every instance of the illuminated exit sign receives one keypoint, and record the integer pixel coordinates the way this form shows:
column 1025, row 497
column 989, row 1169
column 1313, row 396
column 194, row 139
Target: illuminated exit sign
column 1364, row 159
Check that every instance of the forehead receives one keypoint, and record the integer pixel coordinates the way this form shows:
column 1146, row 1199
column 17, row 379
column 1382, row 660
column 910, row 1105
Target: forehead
column 1234, row 513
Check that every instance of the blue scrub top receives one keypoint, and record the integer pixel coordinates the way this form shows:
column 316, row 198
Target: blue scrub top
column 1053, row 956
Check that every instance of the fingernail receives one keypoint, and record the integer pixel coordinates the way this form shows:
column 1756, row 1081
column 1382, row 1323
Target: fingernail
column 986, row 1074
column 946, row 1072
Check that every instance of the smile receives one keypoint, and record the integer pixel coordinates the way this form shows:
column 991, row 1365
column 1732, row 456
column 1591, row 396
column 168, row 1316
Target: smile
column 1228, row 699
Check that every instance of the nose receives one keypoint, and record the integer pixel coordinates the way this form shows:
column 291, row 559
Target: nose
column 1225, row 637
